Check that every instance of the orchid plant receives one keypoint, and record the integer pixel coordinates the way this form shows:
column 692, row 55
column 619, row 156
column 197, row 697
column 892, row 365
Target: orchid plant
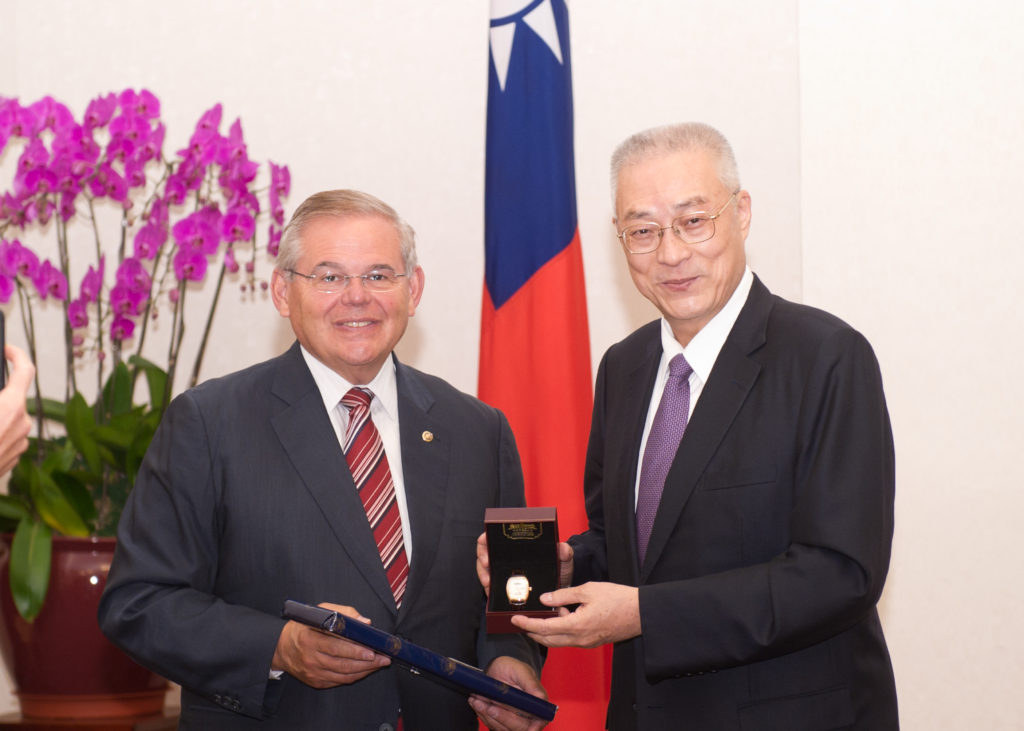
column 170, row 218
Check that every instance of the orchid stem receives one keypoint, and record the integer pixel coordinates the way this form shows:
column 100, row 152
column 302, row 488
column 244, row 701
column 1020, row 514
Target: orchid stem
column 206, row 330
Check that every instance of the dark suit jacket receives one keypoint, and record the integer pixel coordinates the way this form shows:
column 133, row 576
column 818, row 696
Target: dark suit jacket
column 771, row 543
column 244, row 500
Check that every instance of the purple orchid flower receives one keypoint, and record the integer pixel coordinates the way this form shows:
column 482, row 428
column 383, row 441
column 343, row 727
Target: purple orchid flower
column 133, row 275
column 40, row 180
column 199, row 231
column 99, row 111
column 149, row 239
column 274, row 239
column 25, row 122
column 49, row 281
column 35, row 155
column 232, row 147
column 51, row 114
column 143, row 104
column 126, row 301
column 78, row 314
column 67, row 206
column 229, row 260
column 12, row 210
column 127, row 133
column 20, row 261
column 6, row 288
column 189, row 264
column 238, row 224
column 205, row 141
column 153, row 144
column 7, row 114
column 92, row 282
column 106, row 182
column 186, row 177
column 39, row 210
column 121, row 328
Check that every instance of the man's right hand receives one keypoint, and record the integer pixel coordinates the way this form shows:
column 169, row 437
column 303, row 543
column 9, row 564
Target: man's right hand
column 15, row 423
column 323, row 660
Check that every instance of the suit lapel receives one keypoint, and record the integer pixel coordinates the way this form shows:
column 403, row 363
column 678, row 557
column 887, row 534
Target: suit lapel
column 636, row 394
column 426, row 451
column 731, row 379
column 306, row 435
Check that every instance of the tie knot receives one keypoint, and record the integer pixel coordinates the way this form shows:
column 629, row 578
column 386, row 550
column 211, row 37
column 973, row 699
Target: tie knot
column 357, row 398
column 679, row 368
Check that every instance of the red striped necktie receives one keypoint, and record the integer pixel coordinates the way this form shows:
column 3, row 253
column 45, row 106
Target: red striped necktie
column 368, row 463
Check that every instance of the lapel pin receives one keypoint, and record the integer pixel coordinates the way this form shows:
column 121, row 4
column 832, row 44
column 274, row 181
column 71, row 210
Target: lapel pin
column 428, row 436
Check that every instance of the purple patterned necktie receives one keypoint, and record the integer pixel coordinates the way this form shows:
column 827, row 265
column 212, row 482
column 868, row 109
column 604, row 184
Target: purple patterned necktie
column 662, row 444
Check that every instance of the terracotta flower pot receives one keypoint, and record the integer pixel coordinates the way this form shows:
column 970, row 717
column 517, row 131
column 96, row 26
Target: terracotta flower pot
column 62, row 665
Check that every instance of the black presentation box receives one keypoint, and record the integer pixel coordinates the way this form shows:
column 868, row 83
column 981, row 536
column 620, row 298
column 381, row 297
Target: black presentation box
column 522, row 544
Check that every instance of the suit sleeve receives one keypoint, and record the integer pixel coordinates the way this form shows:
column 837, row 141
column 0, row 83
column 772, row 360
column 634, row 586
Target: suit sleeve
column 164, row 573
column 590, row 558
column 839, row 520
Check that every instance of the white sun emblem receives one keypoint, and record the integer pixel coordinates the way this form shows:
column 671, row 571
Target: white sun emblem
column 541, row 21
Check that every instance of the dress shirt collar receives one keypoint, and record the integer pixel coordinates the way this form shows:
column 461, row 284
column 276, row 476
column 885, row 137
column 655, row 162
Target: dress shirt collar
column 703, row 348
column 332, row 386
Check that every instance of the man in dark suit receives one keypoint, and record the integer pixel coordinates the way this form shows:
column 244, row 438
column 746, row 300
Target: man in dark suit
column 739, row 479
column 253, row 492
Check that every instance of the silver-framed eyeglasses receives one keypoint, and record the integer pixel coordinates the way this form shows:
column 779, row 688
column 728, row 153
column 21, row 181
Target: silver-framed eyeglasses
column 328, row 281
column 691, row 228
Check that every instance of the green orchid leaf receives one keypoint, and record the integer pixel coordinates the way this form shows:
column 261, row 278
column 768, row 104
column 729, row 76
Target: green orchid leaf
column 116, row 496
column 137, row 451
column 12, row 511
column 110, row 456
column 112, row 436
column 156, row 379
column 78, row 495
column 81, row 426
column 31, row 552
column 53, row 410
column 53, row 506
column 117, row 393
column 120, row 431
column 60, row 458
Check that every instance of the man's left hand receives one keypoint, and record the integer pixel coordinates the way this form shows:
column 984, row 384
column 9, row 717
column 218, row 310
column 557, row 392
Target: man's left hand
column 498, row 717
column 606, row 613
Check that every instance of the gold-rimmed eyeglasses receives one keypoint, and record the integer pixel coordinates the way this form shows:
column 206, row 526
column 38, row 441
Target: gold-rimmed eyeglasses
column 329, row 282
column 691, row 228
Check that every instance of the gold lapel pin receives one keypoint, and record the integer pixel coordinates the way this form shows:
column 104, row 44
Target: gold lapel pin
column 428, row 436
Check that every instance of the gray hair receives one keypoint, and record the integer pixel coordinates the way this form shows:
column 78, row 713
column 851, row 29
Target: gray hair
column 342, row 204
column 674, row 138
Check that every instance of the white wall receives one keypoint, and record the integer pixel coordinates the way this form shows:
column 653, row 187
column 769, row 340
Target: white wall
column 911, row 153
column 852, row 125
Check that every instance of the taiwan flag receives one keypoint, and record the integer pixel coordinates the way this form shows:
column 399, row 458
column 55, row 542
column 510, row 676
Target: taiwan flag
column 534, row 340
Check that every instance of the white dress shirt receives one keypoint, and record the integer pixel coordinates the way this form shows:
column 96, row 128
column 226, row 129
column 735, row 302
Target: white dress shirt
column 701, row 353
column 383, row 411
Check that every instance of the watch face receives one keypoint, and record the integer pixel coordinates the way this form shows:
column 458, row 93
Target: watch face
column 517, row 589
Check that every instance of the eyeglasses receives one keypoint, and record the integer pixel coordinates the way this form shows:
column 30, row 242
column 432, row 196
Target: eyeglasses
column 693, row 228
column 329, row 282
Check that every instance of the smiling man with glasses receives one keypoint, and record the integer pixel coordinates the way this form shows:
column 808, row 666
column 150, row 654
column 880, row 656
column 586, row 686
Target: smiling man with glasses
column 332, row 473
column 739, row 479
